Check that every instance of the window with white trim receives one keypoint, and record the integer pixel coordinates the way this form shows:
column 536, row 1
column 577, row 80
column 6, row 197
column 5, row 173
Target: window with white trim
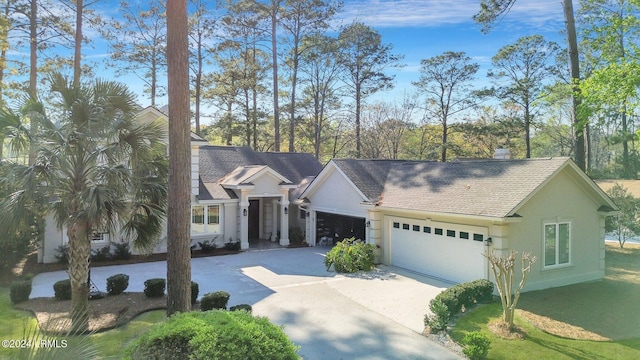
column 99, row 237
column 557, row 244
column 205, row 219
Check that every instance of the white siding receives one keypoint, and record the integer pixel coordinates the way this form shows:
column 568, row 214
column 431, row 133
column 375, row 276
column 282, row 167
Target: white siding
column 336, row 195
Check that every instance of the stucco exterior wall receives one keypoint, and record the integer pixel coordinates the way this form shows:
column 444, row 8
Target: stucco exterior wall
column 561, row 200
column 54, row 237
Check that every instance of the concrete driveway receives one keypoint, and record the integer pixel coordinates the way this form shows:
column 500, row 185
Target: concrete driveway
column 376, row 315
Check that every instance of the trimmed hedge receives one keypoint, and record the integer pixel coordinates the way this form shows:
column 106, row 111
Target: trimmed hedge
column 456, row 299
column 117, row 284
column 20, row 291
column 214, row 300
column 241, row 307
column 155, row 287
column 195, row 289
column 214, row 335
column 62, row 290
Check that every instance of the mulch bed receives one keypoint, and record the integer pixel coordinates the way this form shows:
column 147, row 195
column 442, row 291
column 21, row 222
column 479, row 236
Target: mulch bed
column 105, row 313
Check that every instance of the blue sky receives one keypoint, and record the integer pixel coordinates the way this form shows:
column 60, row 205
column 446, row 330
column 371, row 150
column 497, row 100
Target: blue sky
column 420, row 29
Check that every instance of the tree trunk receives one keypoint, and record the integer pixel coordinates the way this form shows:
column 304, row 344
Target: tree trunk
column 443, row 154
column 77, row 56
column 4, row 45
column 274, row 55
column 198, row 89
column 527, row 131
column 179, row 195
column 292, row 114
column 79, row 252
column 574, row 65
column 358, row 107
column 33, row 71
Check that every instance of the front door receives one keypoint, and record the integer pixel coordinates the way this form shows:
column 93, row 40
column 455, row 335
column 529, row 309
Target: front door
column 254, row 219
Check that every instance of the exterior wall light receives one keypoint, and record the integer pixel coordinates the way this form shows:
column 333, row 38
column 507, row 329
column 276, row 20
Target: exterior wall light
column 286, row 210
column 244, row 212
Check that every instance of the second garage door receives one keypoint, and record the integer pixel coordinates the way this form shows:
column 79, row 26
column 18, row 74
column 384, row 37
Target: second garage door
column 447, row 251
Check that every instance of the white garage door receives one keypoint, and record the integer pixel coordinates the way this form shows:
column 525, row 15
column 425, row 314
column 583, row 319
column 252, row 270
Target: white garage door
column 447, row 251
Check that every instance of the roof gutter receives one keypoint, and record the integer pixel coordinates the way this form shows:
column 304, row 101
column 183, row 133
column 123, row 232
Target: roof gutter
column 424, row 213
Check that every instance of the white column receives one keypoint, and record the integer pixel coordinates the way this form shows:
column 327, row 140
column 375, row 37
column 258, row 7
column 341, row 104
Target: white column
column 244, row 221
column 284, row 222
column 274, row 220
column 311, row 228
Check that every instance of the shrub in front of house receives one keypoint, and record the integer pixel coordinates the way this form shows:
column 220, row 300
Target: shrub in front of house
column 62, row 254
column 476, row 345
column 154, row 288
column 195, row 289
column 243, row 307
column 102, row 254
column 351, row 255
column 117, row 284
column 19, row 291
column 62, row 290
column 214, row 335
column 456, row 299
column 214, row 300
column 296, row 236
column 232, row 246
column 120, row 251
column 439, row 318
column 207, row 246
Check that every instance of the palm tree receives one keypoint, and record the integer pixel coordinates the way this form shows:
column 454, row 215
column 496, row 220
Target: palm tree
column 97, row 169
column 12, row 128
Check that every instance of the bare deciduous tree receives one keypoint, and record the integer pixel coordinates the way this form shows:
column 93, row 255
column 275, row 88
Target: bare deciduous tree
column 503, row 268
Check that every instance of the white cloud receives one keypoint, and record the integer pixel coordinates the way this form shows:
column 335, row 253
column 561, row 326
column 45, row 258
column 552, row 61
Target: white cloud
column 432, row 13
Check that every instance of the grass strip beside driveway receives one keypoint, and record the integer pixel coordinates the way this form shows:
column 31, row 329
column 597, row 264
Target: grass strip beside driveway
column 595, row 320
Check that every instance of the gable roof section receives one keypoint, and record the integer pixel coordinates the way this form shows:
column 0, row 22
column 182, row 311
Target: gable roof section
column 491, row 188
column 245, row 175
column 151, row 113
column 217, row 162
column 369, row 176
column 487, row 188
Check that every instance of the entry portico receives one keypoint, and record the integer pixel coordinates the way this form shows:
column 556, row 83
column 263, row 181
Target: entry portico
column 268, row 192
column 243, row 195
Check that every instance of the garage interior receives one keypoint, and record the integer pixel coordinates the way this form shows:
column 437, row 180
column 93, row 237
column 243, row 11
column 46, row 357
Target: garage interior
column 331, row 228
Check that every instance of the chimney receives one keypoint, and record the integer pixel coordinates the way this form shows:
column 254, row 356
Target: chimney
column 502, row 154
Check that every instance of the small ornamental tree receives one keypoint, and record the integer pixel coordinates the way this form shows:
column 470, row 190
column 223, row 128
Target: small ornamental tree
column 503, row 268
column 626, row 224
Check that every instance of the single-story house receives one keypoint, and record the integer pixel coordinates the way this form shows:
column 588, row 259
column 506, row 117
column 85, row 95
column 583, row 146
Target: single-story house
column 237, row 194
column 430, row 217
column 439, row 218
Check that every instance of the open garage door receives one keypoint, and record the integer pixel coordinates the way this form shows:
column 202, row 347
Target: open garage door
column 447, row 251
column 331, row 228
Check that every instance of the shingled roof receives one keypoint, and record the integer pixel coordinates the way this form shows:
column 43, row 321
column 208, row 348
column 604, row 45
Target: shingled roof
column 216, row 162
column 493, row 188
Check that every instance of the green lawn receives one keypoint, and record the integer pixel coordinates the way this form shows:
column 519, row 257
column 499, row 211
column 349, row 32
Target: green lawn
column 607, row 308
column 109, row 344
column 538, row 344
